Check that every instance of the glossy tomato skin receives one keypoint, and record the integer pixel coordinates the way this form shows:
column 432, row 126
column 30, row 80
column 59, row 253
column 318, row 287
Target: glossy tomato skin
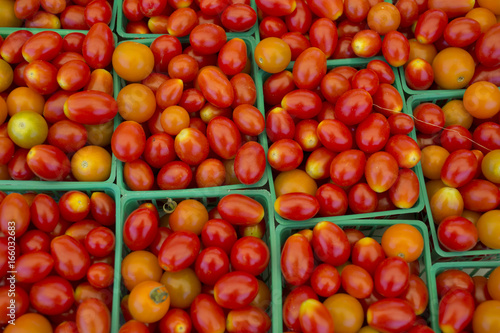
column 334, row 135
column 480, row 195
column 302, row 103
column 44, row 45
column 395, row 48
column 383, row 70
column 309, row 68
column 232, row 57
column 366, row 43
column 93, row 315
column 71, row 260
column 353, row 106
column 391, row 315
column 459, row 168
column 456, row 233
column 100, row 242
column 430, row 26
column 462, row 32
column 381, row 171
column 211, row 265
column 48, row 162
column 277, row 86
column 405, row 191
column 372, row 133
column 98, row 46
column 173, row 255
column 365, row 79
column 285, row 155
column 404, row 149
column 456, row 137
column 244, row 89
column 52, row 295
column 11, row 48
column 330, row 244
column 191, row 146
column 238, row 17
column 419, row 74
column 453, row 279
column 348, row 167
column 224, row 137
column 297, row 261
column 32, row 267
column 368, row 254
column 34, row 240
column 296, row 206
column 235, row 290
column 487, row 50
column 90, row 107
column 416, row 294
column 41, row 76
column 387, row 100
column 456, row 309
column 128, row 141
column 315, row 317
column 215, row 87
column 67, row 136
column 392, row 277
column 251, row 153
column 219, row 233
column 332, row 200
column 207, row 316
column 44, row 212
column 334, row 85
column 238, row 320
column 250, row 254
column 139, row 230
column 238, row 209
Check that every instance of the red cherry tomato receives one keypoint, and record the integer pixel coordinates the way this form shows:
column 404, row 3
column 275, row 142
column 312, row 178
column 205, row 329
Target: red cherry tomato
column 372, row 133
column 459, row 168
column 330, row 244
column 211, row 265
column 52, row 295
column 179, row 251
column 430, row 26
column 250, row 254
column 368, row 254
column 207, row 316
column 71, row 260
column 235, row 290
column 297, row 261
column 219, row 233
column 456, row 309
column 296, row 206
column 390, row 315
column 392, row 277
column 139, row 229
column 453, row 279
column 34, row 266
column 353, row 106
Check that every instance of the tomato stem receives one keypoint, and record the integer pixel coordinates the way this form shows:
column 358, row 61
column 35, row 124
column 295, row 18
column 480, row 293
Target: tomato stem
column 159, row 294
column 169, row 206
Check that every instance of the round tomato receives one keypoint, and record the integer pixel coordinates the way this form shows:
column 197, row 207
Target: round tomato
column 183, row 286
column 91, row 163
column 272, row 55
column 403, row 240
column 346, row 311
column 52, row 295
column 139, row 266
column 133, row 61
column 453, row 68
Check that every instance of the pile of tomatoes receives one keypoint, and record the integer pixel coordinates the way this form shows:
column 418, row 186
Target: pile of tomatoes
column 179, row 17
column 175, row 287
column 56, row 106
column 62, row 255
column 468, row 303
column 444, row 44
column 460, row 144
column 357, row 138
column 196, row 126
column 337, row 276
column 55, row 14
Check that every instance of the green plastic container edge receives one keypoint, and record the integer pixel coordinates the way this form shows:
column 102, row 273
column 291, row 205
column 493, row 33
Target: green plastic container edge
column 110, row 189
column 283, row 231
column 411, row 92
column 112, row 25
column 129, row 203
column 475, row 266
column 121, row 23
column 120, row 83
column 413, row 102
column 355, row 62
column 28, row 184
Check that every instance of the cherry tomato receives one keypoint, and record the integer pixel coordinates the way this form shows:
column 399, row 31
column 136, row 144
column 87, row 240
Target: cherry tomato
column 453, row 279
column 44, row 212
column 272, row 55
column 220, row 233
column 14, row 215
column 334, row 135
column 456, row 309
column 211, row 265
column 139, row 266
column 430, row 26
column 297, row 260
column 381, row 178
column 251, row 255
column 330, row 244
column 372, row 133
column 366, row 43
column 139, row 230
column 235, row 290
column 387, row 100
column 238, row 209
column 74, row 206
column 34, row 240
column 396, row 48
column 368, row 254
column 173, row 255
column 356, row 281
column 459, row 168
column 487, row 48
column 100, row 242
column 285, row 155
column 482, row 99
column 404, row 241
column 207, row 316
column 102, row 207
column 296, row 206
column 390, row 315
column 71, row 260
column 238, row 17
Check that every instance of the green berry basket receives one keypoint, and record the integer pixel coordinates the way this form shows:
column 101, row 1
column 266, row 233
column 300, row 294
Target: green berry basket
column 27, row 184
column 116, row 5
column 130, row 202
column 57, row 190
column 473, row 268
column 357, row 63
column 437, row 250
column 262, row 139
column 122, row 21
column 371, row 228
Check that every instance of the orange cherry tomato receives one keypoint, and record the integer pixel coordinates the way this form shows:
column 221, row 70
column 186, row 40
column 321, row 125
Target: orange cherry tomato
column 403, row 240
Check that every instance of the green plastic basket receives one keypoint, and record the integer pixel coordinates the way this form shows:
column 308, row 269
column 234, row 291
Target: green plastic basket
column 27, row 184
column 262, row 139
column 112, row 24
column 57, row 190
column 130, row 202
column 473, row 268
column 122, row 21
column 357, row 63
column 371, row 228
column 426, row 216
